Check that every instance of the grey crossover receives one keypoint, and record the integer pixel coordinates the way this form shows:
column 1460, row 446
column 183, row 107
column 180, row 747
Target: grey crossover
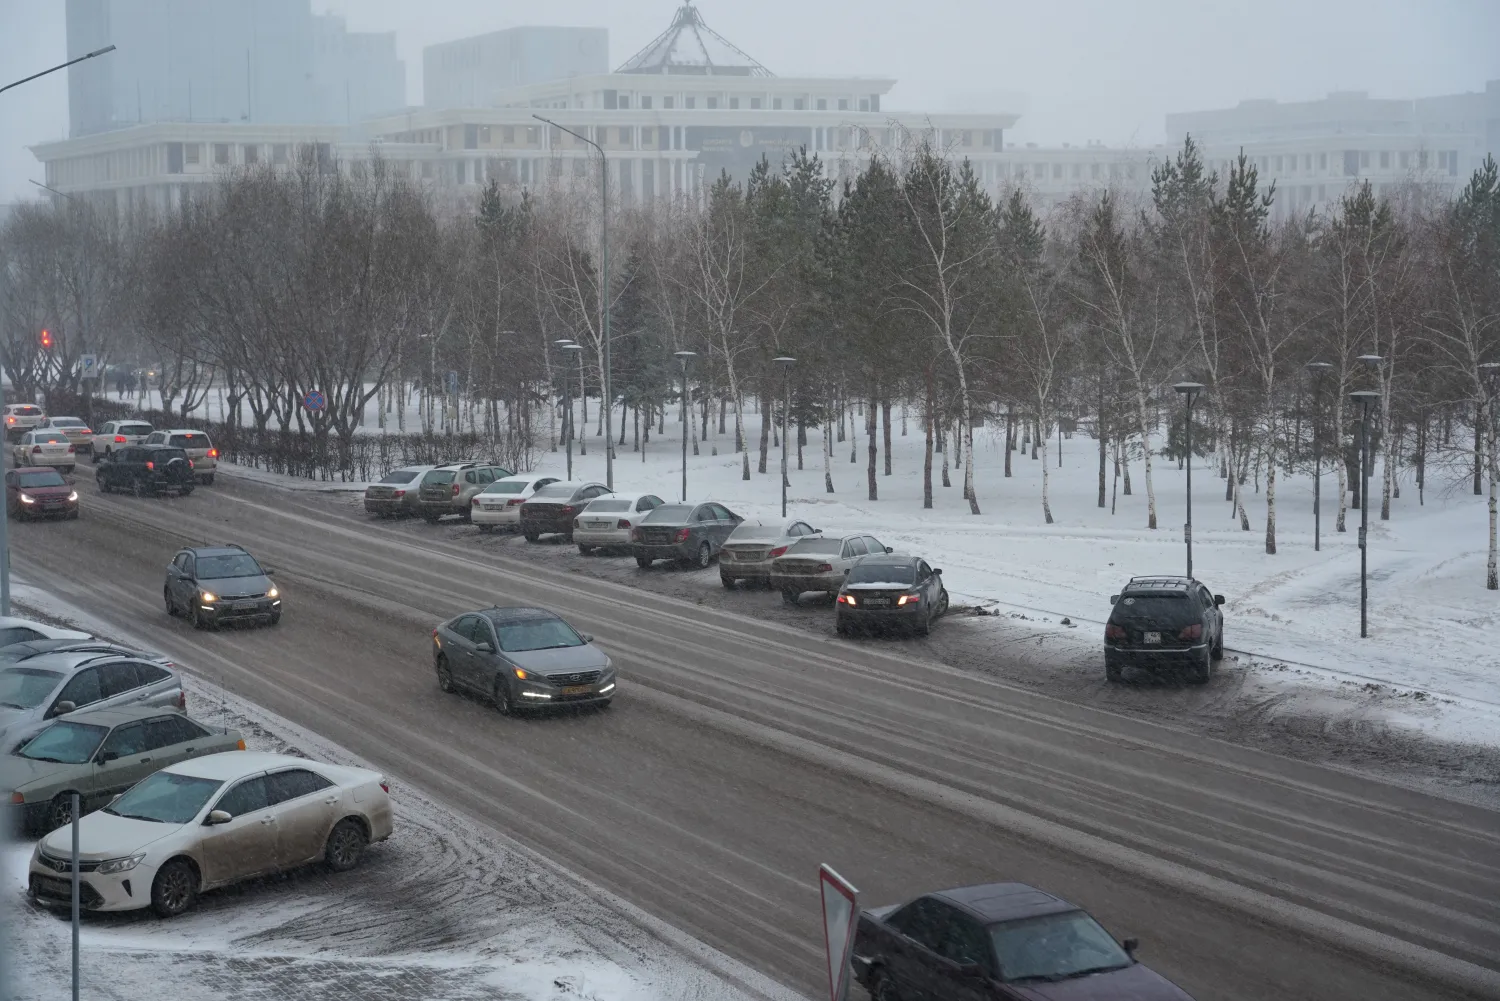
column 521, row 658
column 39, row 689
column 212, row 585
column 686, row 532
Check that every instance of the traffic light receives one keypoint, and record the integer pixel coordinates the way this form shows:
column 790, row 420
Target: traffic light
column 46, row 340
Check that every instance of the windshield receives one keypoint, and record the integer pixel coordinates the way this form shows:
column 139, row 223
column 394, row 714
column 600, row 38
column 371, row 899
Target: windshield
column 189, row 440
column 230, row 565
column 26, row 687
column 823, row 546
column 610, row 505
column 65, row 743
column 671, row 513
column 1055, row 947
column 537, row 634
column 883, row 573
column 505, row 487
column 165, row 798
column 401, row 476
column 555, row 490
column 41, row 478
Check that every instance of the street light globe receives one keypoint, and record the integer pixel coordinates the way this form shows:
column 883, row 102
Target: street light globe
column 786, row 361
column 1371, row 360
column 1188, row 388
column 572, row 347
column 684, row 355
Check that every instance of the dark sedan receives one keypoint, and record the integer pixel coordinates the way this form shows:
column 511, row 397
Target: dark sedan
column 998, row 942
column 39, row 492
column 891, row 590
column 551, row 510
column 692, row 533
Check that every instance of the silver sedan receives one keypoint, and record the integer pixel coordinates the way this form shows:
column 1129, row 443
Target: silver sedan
column 607, row 521
column 751, row 547
column 820, row 564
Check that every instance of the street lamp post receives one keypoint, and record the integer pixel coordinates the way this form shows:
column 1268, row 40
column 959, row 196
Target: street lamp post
column 1373, row 361
column 1189, row 391
column 1489, row 374
column 1365, row 398
column 562, row 345
column 567, row 347
column 606, row 400
column 1319, row 370
column 683, row 357
column 786, row 364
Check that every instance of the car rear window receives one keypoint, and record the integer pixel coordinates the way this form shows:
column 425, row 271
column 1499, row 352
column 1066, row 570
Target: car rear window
column 40, row 478
column 401, row 476
column 815, row 546
column 27, row 411
column 610, row 505
column 132, row 428
column 1153, row 608
column 505, row 487
column 878, row 573
column 555, row 490
column 67, row 422
column 438, row 476
column 189, row 440
column 670, row 513
column 43, row 438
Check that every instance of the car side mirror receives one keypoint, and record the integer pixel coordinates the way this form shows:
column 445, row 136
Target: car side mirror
column 937, row 573
column 115, row 798
column 485, row 646
column 1130, row 945
column 846, row 571
column 889, row 549
column 105, row 757
column 586, row 637
column 971, row 971
column 1114, row 598
column 270, row 573
column 217, row 817
column 1218, row 599
column 63, row 708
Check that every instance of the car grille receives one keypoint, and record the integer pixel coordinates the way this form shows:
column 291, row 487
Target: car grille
column 658, row 535
column 579, row 678
column 798, row 567
column 52, row 888
column 241, row 597
column 745, row 554
column 63, row 863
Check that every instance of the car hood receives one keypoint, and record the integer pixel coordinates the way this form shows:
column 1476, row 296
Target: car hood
column 258, row 584
column 1133, row 983
column 103, row 835
column 13, row 720
column 17, row 772
column 573, row 658
column 47, row 491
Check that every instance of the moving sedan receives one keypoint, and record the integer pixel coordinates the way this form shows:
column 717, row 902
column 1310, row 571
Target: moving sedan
column 891, row 590
column 1001, row 941
column 209, row 822
column 521, row 658
column 99, row 753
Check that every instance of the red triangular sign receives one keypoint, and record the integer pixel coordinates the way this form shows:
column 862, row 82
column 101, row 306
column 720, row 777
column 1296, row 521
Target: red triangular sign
column 840, row 914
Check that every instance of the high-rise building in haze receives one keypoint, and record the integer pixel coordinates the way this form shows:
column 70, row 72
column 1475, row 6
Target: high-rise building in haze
column 469, row 72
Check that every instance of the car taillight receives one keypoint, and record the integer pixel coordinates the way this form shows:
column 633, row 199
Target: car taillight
column 182, row 701
column 10, row 420
column 778, row 551
column 635, row 535
column 908, row 599
column 622, row 523
column 385, row 787
column 514, row 501
column 119, row 439
column 825, row 568
column 1192, row 632
column 70, row 448
column 847, row 599
column 683, row 533
column 568, row 509
column 17, row 798
column 213, row 453
column 398, row 493
column 85, row 431
column 1113, row 632
column 473, row 501
column 239, row 745
column 455, row 489
column 150, row 465
column 190, row 463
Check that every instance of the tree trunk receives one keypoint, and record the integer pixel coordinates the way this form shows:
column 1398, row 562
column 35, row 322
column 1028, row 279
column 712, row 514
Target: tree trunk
column 941, row 431
column 1478, row 448
column 1123, row 458
column 1239, row 483
column 739, row 430
column 1271, row 497
column 885, row 420
column 1043, row 420
column 903, row 418
column 1010, row 435
column 740, row 406
column 1144, row 413
column 1492, row 565
column 828, row 452
column 767, row 418
column 874, row 450
column 927, row 447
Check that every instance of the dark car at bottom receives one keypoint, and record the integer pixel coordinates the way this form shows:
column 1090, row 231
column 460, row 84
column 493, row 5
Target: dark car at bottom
column 889, row 590
column 521, row 658
column 146, row 471
column 1162, row 623
column 998, row 942
column 39, row 493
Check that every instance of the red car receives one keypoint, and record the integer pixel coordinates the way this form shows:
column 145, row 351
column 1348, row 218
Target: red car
column 39, row 492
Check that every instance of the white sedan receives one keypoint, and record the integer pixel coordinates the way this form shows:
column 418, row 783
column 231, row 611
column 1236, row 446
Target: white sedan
column 45, row 448
column 14, row 630
column 209, row 822
column 607, row 521
column 499, row 504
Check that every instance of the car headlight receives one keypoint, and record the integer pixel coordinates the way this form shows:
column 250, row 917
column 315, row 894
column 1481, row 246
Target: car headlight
column 73, row 496
column 26, row 499
column 120, row 864
column 523, row 675
column 273, row 593
column 208, row 596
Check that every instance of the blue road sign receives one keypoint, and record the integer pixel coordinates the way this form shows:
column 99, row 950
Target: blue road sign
column 452, row 382
column 315, row 400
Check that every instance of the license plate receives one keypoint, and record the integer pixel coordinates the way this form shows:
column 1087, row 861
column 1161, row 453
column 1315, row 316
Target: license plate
column 245, row 606
column 876, row 602
column 1151, row 638
column 598, row 524
column 576, row 690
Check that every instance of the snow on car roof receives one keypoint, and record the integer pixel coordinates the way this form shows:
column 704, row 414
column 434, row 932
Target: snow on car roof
column 230, row 765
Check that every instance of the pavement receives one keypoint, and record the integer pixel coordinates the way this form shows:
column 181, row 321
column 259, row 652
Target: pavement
column 742, row 752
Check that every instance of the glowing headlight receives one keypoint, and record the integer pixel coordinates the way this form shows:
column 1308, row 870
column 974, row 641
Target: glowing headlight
column 73, row 496
column 209, row 596
column 273, row 593
column 26, row 499
column 120, row 864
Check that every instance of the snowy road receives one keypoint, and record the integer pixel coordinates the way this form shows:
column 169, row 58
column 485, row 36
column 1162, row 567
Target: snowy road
column 742, row 753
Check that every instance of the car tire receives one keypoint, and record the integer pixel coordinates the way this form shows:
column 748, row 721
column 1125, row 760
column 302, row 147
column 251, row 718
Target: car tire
column 195, row 616
column 924, row 627
column 1112, row 671
column 102, row 484
column 175, row 889
column 166, row 597
column 73, row 515
column 186, row 492
column 644, row 562
column 1203, row 669
column 59, row 813
column 431, row 519
column 345, row 844
column 882, row 988
column 568, row 536
column 840, row 626
column 444, row 674
column 504, row 705
column 532, row 536
column 789, row 597
column 1218, row 649
column 605, row 703
column 274, row 620
column 585, row 550
column 67, row 469
column 728, row 582
column 467, row 514
column 485, row 529
column 942, row 606
column 705, row 556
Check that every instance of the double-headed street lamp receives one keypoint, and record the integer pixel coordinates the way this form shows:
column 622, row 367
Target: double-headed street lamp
column 1189, row 391
column 568, row 435
column 1366, row 398
column 683, row 357
column 1319, row 370
column 786, row 362
column 606, row 400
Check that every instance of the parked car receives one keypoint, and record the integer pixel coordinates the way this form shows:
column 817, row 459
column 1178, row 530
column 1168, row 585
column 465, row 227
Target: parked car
column 211, row 821
column 820, row 563
column 145, row 470
column 551, row 510
column 451, row 489
column 691, row 533
column 1164, row 622
column 521, row 658
column 748, row 552
column 99, row 753
column 1002, row 941
column 22, row 417
column 39, row 493
column 115, row 434
column 42, row 688
column 198, row 446
column 77, row 431
column 17, row 630
column 891, row 590
column 16, row 653
column 395, row 495
column 499, row 504
column 606, row 522
column 45, row 448
column 212, row 585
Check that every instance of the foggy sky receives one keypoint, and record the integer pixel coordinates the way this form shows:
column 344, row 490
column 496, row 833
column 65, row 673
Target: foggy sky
column 1076, row 69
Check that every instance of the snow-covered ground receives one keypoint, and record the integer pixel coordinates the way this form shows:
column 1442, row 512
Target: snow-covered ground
column 446, row 910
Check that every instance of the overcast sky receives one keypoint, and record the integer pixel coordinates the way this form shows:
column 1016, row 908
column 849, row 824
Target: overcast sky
column 1076, row 69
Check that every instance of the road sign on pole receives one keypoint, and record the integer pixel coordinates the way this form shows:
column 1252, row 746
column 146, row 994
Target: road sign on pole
column 840, row 916
column 452, row 382
column 315, row 400
column 89, row 365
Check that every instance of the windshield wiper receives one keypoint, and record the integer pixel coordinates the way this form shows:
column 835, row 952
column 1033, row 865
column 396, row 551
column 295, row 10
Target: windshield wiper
column 135, row 816
column 1096, row 969
column 12, row 705
column 55, row 761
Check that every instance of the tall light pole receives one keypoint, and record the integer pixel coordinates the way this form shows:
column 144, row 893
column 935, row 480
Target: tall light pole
column 1489, row 374
column 786, row 362
column 1373, row 361
column 683, row 357
column 1365, row 398
column 1189, row 391
column 606, row 400
column 576, row 349
column 1319, row 370
column 59, row 66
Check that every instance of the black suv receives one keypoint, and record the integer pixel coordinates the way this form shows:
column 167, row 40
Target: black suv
column 216, row 584
column 145, row 470
column 1164, row 622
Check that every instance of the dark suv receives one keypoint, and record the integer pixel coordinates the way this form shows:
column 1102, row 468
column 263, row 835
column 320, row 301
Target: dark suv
column 216, row 584
column 145, row 470
column 1167, row 622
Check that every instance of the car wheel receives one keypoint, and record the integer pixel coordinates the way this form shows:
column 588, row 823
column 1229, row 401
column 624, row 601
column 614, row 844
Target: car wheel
column 1218, row 650
column 644, row 562
column 840, row 626
column 789, row 597
column 166, row 596
column 73, row 515
column 883, row 989
column 568, row 536
column 501, row 697
column 59, row 812
column 1112, row 671
column 138, row 487
column 485, row 529
column 197, row 619
column 274, row 620
column 67, row 469
column 924, row 627
column 533, row 536
column 102, row 484
column 728, row 582
column 444, row 675
column 705, row 556
column 175, row 889
column 467, row 514
column 1203, row 668
column 186, row 492
column 942, row 608
column 585, row 550
column 208, row 480
column 431, row 519
column 346, row 843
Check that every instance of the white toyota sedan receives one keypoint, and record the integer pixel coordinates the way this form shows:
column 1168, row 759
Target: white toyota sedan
column 607, row 521
column 209, row 822
column 499, row 504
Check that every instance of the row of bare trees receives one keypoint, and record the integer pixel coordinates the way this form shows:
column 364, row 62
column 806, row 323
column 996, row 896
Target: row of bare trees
column 905, row 287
